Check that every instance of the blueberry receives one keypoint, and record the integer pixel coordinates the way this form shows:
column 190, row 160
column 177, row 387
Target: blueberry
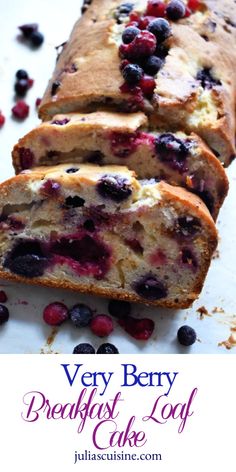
column 114, row 187
column 107, row 348
column 72, row 170
column 153, row 65
column 186, row 335
column 74, row 202
column 206, row 78
column 80, row 315
column 188, row 225
column 36, row 38
column 4, row 314
column 21, row 87
column 84, row 348
column 132, row 74
column 123, row 11
column 129, row 34
column 160, row 28
column 55, row 86
column 89, row 225
column 119, row 308
column 172, row 150
column 175, row 10
column 22, row 74
column 161, row 51
column 26, row 259
column 150, row 288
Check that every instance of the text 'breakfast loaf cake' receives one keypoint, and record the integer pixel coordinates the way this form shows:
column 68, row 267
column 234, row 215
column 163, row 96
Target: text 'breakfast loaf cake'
column 177, row 64
column 100, row 230
column 105, row 137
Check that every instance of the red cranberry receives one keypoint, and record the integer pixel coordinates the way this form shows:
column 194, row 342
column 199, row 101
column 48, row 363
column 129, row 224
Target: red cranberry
column 101, row 325
column 147, row 85
column 30, row 83
column 55, row 313
column 143, row 45
column 140, row 329
column 156, row 8
column 37, row 102
column 3, row 296
column 26, row 158
column 134, row 16
column 20, row 110
column 2, row 119
column 50, row 188
column 193, row 5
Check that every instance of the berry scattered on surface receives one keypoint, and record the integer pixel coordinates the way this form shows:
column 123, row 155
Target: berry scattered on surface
column 2, row 119
column 132, row 74
column 119, row 308
column 3, row 296
column 140, row 329
column 84, row 348
column 101, row 325
column 22, row 74
column 20, row 110
column 37, row 102
column 55, row 313
column 186, row 335
column 80, row 315
column 28, row 29
column 21, row 87
column 175, row 10
column 4, row 314
column 36, row 38
column 107, row 348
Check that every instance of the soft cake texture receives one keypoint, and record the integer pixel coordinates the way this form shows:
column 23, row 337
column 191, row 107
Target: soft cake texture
column 101, row 231
column 117, row 138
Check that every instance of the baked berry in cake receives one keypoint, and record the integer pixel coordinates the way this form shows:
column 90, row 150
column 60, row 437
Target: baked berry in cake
column 99, row 230
column 118, row 138
column 174, row 60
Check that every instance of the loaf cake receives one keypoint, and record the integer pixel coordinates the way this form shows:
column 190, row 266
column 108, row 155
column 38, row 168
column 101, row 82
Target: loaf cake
column 180, row 71
column 101, row 231
column 105, row 137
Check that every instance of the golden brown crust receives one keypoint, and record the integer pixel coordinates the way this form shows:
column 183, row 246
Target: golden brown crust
column 108, row 293
column 93, row 48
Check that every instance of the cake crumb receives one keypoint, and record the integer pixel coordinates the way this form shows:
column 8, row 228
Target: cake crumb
column 218, row 310
column 203, row 311
column 231, row 341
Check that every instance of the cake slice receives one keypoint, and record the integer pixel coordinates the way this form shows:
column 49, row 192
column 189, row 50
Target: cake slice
column 117, row 138
column 180, row 73
column 101, row 231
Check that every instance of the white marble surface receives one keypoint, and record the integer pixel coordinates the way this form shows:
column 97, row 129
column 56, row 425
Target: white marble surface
column 26, row 332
